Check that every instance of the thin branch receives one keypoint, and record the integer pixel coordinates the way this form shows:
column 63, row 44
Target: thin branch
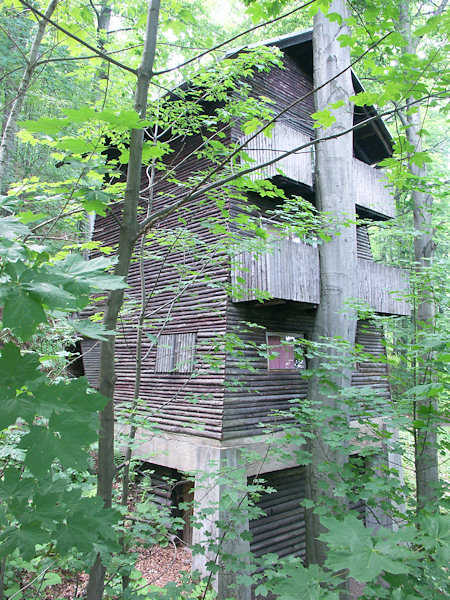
column 33, row 580
column 94, row 8
column 11, row 39
column 90, row 56
column 79, row 40
column 119, row 30
column 440, row 9
column 187, row 62
column 184, row 47
column 199, row 191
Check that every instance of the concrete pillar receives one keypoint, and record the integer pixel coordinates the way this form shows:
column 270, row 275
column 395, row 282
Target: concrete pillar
column 394, row 461
column 376, row 517
column 220, row 517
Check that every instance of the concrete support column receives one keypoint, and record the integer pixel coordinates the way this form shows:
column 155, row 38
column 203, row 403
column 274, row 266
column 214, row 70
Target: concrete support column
column 221, row 516
column 376, row 517
column 394, row 461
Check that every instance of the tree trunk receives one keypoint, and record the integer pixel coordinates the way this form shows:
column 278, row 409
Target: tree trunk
column 338, row 267
column 425, row 437
column 103, row 25
column 7, row 141
column 128, row 233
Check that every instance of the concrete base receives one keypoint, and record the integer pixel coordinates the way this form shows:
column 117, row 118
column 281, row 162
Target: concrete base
column 179, row 451
column 221, row 469
column 220, row 517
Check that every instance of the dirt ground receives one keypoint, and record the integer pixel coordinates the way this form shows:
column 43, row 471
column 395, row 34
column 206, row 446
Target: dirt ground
column 157, row 565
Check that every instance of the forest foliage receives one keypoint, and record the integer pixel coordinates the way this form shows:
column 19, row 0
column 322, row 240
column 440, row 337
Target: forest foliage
column 76, row 106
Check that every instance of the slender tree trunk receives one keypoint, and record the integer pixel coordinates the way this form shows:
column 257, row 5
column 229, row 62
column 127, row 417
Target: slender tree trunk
column 128, row 233
column 7, row 141
column 103, row 25
column 425, row 437
column 139, row 360
column 338, row 267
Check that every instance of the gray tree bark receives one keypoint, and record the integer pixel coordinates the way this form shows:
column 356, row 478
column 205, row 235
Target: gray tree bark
column 128, row 231
column 7, row 140
column 425, row 437
column 338, row 266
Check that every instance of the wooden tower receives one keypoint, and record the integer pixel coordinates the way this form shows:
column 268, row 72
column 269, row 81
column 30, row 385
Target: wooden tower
column 206, row 404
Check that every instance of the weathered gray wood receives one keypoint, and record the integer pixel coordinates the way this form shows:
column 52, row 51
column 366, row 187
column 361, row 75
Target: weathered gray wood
column 297, row 166
column 371, row 191
column 369, row 183
column 281, row 528
column 290, row 271
column 382, row 287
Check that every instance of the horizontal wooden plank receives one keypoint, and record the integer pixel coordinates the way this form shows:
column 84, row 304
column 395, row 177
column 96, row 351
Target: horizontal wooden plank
column 371, row 191
column 283, row 138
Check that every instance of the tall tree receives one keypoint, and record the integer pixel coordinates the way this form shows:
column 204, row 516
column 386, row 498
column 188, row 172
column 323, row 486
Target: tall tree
column 334, row 192
column 129, row 228
column 425, row 434
column 7, row 140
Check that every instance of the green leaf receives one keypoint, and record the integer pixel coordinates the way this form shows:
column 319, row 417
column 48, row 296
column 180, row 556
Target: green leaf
column 295, row 581
column 91, row 272
column 94, row 200
column 22, row 406
column 14, row 487
column 23, row 538
column 12, row 227
column 360, row 554
column 323, row 118
column 30, row 217
column 51, row 579
column 17, row 370
column 364, row 99
column 11, row 251
column 22, row 313
column 420, row 158
column 94, row 331
column 45, row 125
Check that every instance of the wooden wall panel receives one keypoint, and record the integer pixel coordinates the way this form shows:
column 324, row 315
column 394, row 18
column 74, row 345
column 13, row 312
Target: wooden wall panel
column 297, row 166
column 184, row 275
column 363, row 243
column 282, row 527
column 371, row 191
column 283, row 86
column 253, row 394
column 91, row 356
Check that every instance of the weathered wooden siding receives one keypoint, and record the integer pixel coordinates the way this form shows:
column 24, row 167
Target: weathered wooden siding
column 372, row 374
column 184, row 293
column 253, row 394
column 295, row 127
column 91, row 357
column 297, row 166
column 290, row 271
column 383, row 287
column 283, row 86
column 282, row 527
column 363, row 243
column 371, row 191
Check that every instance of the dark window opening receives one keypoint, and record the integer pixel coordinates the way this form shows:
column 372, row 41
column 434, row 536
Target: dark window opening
column 75, row 366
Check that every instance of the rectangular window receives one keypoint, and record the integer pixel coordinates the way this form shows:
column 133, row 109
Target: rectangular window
column 285, row 352
column 176, row 353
